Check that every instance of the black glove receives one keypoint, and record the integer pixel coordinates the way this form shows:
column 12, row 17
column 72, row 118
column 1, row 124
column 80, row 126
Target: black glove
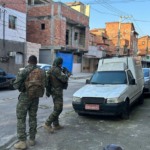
column 66, row 71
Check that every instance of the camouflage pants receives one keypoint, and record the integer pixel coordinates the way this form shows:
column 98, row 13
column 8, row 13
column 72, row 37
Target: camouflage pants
column 58, row 107
column 26, row 106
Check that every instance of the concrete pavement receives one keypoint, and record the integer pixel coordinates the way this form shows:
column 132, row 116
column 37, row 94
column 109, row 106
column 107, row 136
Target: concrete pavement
column 9, row 140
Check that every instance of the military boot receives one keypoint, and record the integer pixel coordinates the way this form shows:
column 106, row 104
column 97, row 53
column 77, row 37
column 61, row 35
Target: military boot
column 58, row 127
column 49, row 128
column 31, row 142
column 20, row 145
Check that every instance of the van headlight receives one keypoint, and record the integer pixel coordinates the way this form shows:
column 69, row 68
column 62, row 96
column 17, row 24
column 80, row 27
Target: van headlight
column 76, row 99
column 113, row 100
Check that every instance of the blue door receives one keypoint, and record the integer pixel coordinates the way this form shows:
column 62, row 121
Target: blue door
column 67, row 59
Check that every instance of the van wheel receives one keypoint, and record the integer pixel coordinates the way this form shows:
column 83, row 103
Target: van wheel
column 81, row 114
column 126, row 111
column 141, row 99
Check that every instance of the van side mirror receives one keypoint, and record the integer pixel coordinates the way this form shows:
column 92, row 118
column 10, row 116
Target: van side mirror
column 132, row 82
column 87, row 81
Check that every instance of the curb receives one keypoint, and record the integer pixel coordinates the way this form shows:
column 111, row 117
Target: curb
column 6, row 145
column 12, row 141
column 80, row 77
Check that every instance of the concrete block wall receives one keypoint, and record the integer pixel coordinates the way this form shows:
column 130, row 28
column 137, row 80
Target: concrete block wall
column 11, row 46
column 32, row 49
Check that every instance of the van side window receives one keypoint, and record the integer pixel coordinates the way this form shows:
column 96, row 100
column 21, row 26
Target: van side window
column 130, row 76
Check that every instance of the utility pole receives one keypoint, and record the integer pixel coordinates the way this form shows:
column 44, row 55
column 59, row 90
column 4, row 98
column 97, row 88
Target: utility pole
column 4, row 29
column 147, row 45
column 119, row 35
column 118, row 43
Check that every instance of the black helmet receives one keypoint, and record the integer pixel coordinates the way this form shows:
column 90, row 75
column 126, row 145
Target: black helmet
column 58, row 61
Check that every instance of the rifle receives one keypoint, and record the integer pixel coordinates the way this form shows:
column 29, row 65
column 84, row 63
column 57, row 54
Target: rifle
column 66, row 71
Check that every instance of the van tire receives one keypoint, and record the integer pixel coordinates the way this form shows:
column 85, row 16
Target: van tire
column 141, row 99
column 126, row 112
column 81, row 114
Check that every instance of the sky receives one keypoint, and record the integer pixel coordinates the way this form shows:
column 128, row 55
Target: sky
column 131, row 11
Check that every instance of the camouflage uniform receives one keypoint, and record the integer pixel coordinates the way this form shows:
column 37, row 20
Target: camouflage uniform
column 55, row 81
column 26, row 105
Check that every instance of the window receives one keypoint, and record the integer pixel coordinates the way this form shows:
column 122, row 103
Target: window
column 12, row 22
column 42, row 26
column 130, row 76
column 76, row 36
column 67, row 37
column 109, row 77
column 19, row 58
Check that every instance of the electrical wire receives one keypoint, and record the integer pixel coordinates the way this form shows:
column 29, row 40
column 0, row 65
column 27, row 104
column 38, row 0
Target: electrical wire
column 105, row 4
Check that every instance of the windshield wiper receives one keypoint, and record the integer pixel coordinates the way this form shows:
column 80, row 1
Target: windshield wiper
column 94, row 83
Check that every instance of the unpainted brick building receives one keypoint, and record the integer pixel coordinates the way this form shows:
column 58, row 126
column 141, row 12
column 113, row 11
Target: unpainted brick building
column 61, row 30
column 123, row 38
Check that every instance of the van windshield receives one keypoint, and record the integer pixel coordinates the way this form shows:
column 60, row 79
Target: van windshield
column 109, row 77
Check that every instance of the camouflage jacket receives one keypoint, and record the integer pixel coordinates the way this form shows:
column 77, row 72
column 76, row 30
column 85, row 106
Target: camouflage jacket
column 55, row 79
column 19, row 83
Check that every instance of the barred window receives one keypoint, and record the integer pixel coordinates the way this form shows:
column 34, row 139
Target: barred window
column 12, row 22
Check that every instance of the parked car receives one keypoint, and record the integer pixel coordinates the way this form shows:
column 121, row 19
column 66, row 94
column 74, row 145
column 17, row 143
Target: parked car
column 45, row 67
column 146, row 72
column 116, row 85
column 6, row 79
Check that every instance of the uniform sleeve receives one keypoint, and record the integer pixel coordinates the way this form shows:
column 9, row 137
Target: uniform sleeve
column 19, row 82
column 44, row 78
column 48, row 84
column 60, row 75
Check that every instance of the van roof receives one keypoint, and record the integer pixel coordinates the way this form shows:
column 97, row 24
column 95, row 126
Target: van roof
column 112, row 66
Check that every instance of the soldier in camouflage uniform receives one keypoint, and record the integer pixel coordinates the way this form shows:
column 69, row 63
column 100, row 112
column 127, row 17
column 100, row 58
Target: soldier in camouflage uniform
column 55, row 82
column 26, row 105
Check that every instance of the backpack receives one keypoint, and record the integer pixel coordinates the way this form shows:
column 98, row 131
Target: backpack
column 34, row 84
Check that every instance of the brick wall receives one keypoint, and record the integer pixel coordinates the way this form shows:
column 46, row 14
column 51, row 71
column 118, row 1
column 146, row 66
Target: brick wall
column 37, row 11
column 125, row 34
column 19, row 5
column 55, row 16
column 74, row 15
column 59, row 32
column 144, row 45
column 36, row 35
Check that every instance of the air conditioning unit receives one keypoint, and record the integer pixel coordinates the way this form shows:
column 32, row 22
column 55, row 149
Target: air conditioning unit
column 12, row 54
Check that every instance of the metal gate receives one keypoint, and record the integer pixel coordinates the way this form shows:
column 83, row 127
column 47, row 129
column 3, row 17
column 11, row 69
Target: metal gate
column 67, row 60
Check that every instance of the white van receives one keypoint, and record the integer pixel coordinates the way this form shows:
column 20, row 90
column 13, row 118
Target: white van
column 113, row 88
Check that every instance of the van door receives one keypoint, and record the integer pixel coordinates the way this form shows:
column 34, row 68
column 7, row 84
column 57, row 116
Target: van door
column 132, row 87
